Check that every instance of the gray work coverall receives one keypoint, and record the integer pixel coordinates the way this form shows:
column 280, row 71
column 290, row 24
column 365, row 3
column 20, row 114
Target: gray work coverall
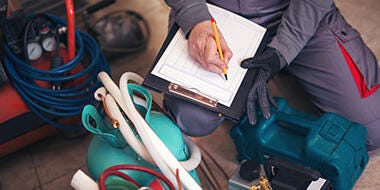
column 322, row 51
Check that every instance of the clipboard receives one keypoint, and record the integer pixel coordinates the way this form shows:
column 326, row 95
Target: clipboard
column 234, row 112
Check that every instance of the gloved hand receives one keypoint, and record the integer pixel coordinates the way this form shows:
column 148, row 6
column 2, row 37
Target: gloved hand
column 265, row 66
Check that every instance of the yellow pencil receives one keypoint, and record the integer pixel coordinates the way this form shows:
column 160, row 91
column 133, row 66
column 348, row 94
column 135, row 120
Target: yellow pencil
column 218, row 44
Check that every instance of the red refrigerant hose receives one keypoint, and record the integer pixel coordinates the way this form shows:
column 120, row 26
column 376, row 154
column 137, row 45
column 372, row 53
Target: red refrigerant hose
column 110, row 171
column 115, row 173
column 70, row 29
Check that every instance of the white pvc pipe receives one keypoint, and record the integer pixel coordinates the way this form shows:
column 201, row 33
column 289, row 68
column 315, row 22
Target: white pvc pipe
column 81, row 181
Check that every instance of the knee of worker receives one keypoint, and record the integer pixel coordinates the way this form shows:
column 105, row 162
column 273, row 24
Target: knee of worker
column 193, row 120
column 373, row 135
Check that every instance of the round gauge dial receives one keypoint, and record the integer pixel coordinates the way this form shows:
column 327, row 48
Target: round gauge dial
column 49, row 43
column 34, row 51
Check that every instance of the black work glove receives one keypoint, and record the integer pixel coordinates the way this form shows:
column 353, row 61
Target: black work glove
column 265, row 66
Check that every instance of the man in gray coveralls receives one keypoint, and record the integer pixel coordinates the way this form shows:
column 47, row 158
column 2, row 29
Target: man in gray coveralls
column 310, row 40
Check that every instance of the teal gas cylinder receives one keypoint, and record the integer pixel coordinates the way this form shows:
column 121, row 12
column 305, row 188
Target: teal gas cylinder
column 330, row 144
column 108, row 147
column 114, row 183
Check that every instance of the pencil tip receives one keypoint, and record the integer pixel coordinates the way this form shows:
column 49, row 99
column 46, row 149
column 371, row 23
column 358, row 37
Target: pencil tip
column 225, row 76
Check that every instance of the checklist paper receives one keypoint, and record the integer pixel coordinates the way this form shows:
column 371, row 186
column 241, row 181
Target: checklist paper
column 243, row 38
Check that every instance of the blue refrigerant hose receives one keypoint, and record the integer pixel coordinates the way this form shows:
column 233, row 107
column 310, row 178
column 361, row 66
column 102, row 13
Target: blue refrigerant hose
column 50, row 104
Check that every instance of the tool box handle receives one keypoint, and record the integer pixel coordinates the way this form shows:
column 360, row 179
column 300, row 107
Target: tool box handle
column 299, row 122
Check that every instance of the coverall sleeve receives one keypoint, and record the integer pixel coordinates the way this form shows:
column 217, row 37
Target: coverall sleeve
column 189, row 13
column 298, row 25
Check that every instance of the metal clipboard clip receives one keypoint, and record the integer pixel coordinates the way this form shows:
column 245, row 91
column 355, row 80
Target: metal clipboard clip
column 190, row 94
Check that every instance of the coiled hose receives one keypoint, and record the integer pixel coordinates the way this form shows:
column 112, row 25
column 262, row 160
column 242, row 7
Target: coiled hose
column 50, row 104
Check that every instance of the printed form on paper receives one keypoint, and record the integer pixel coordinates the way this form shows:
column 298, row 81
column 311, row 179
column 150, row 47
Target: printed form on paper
column 243, row 38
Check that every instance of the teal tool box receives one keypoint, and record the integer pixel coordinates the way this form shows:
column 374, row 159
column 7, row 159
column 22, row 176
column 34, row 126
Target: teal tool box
column 329, row 144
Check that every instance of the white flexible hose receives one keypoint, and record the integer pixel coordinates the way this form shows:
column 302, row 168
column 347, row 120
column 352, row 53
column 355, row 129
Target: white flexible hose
column 114, row 91
column 190, row 164
column 126, row 130
column 127, row 133
column 139, row 80
column 196, row 156
column 100, row 92
column 81, row 181
column 162, row 156
column 154, row 144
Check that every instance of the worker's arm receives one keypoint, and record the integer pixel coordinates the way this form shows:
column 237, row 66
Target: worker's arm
column 189, row 13
column 298, row 25
column 194, row 19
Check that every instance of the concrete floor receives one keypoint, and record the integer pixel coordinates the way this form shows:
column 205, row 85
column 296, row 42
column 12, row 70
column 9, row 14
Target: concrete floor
column 50, row 164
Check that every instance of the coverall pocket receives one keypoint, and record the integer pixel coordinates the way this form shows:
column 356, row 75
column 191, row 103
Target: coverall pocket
column 342, row 30
column 359, row 58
